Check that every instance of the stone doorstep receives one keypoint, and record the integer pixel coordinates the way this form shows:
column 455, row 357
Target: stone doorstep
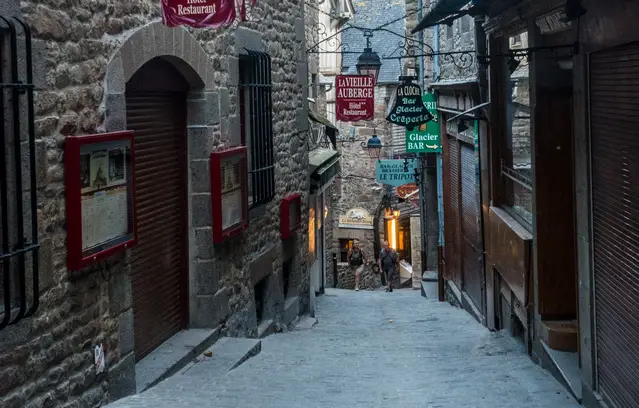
column 291, row 310
column 306, row 323
column 226, row 354
column 564, row 367
column 265, row 328
column 429, row 276
column 172, row 355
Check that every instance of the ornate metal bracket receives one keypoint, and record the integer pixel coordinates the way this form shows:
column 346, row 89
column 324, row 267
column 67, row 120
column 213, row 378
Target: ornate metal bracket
column 525, row 53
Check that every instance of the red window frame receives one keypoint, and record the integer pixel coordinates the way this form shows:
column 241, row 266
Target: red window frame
column 219, row 234
column 76, row 259
column 287, row 229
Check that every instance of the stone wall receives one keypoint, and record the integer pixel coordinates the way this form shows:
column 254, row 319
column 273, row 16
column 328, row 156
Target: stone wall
column 459, row 37
column 84, row 53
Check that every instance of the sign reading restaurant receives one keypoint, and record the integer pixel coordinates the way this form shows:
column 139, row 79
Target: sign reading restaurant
column 409, row 110
column 199, row 13
column 355, row 97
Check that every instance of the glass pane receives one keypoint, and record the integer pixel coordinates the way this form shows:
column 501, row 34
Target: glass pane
column 518, row 163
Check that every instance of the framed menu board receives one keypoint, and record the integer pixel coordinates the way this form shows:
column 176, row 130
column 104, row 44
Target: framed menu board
column 100, row 205
column 290, row 214
column 229, row 193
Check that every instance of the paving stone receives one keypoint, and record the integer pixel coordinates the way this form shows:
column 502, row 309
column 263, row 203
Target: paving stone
column 373, row 349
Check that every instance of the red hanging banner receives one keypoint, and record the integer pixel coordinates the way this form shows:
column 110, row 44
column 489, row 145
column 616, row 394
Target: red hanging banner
column 198, row 13
column 355, row 97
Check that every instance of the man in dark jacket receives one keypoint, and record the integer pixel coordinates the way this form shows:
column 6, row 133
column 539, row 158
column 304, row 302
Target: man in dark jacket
column 388, row 260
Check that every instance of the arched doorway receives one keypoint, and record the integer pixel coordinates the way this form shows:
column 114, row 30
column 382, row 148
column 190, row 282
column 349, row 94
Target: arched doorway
column 156, row 112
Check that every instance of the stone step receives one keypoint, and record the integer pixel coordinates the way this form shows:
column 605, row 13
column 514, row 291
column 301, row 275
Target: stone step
column 225, row 355
column 562, row 335
column 172, row 356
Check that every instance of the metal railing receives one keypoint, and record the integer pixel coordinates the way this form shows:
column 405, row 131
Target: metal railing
column 516, row 176
column 16, row 84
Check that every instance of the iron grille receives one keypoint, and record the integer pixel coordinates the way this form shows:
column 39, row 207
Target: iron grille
column 257, row 124
column 18, row 202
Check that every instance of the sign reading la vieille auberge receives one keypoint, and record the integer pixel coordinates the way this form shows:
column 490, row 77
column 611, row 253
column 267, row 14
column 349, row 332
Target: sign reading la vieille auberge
column 355, row 97
column 199, row 13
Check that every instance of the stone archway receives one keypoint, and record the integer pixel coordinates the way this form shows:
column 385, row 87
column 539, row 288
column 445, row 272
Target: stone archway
column 178, row 47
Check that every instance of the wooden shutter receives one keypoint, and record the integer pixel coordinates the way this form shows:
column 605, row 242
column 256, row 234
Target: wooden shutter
column 614, row 97
column 471, row 243
column 158, row 260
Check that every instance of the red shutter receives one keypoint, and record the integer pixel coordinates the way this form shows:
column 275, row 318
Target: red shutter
column 158, row 259
column 452, row 214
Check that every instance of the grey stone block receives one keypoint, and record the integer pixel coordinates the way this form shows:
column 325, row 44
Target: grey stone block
column 127, row 338
column 200, row 142
column 200, row 176
column 46, row 264
column 122, row 378
column 204, row 243
column 300, row 30
column 234, row 71
column 302, row 74
column 224, row 102
column 207, row 278
column 212, row 309
column 120, row 293
column 248, row 39
column 301, row 119
column 201, row 215
column 212, row 107
column 234, row 129
column 115, row 112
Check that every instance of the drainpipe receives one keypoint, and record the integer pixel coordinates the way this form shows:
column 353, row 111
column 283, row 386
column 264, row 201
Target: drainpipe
column 423, row 182
column 440, row 188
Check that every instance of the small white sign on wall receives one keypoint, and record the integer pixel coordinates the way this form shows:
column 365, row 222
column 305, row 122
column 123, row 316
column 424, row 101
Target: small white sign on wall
column 98, row 359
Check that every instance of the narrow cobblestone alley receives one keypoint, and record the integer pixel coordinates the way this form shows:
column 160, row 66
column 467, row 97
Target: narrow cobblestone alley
column 373, row 349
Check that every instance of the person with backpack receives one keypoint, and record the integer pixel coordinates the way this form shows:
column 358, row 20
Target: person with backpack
column 356, row 261
column 388, row 264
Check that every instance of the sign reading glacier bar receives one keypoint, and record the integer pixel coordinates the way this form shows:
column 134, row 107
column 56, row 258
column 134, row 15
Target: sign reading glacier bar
column 355, row 97
column 198, row 13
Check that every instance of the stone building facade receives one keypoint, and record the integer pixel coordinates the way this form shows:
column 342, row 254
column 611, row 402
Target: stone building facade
column 85, row 55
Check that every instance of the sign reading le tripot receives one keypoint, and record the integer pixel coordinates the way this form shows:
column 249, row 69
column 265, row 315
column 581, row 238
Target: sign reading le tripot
column 354, row 97
column 395, row 172
column 409, row 110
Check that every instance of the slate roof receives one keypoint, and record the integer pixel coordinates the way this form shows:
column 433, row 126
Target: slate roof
column 372, row 14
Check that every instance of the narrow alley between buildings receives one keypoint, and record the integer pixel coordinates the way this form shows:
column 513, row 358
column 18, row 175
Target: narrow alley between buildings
column 371, row 349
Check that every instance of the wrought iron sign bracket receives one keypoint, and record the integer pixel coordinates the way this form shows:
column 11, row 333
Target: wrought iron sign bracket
column 520, row 54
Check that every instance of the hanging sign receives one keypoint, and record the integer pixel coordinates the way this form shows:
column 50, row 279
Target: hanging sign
column 354, row 97
column 198, row 13
column 426, row 138
column 407, row 190
column 356, row 218
column 409, row 110
column 395, row 172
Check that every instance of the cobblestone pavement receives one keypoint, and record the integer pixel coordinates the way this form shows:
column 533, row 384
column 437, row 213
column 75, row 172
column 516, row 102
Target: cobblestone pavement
column 430, row 355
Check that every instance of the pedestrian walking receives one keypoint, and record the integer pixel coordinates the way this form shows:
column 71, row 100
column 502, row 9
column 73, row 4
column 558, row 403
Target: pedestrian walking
column 356, row 260
column 388, row 259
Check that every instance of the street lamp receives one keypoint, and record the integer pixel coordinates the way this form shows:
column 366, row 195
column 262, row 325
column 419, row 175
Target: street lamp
column 374, row 147
column 396, row 213
column 368, row 62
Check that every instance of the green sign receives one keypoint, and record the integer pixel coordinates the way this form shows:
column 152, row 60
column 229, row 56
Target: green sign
column 395, row 172
column 426, row 138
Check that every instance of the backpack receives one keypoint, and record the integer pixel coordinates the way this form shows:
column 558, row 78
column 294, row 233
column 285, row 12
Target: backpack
column 356, row 258
column 386, row 254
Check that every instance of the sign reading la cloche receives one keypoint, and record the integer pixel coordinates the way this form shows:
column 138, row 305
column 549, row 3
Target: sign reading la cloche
column 409, row 110
column 354, row 98
column 395, row 172
column 198, row 13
